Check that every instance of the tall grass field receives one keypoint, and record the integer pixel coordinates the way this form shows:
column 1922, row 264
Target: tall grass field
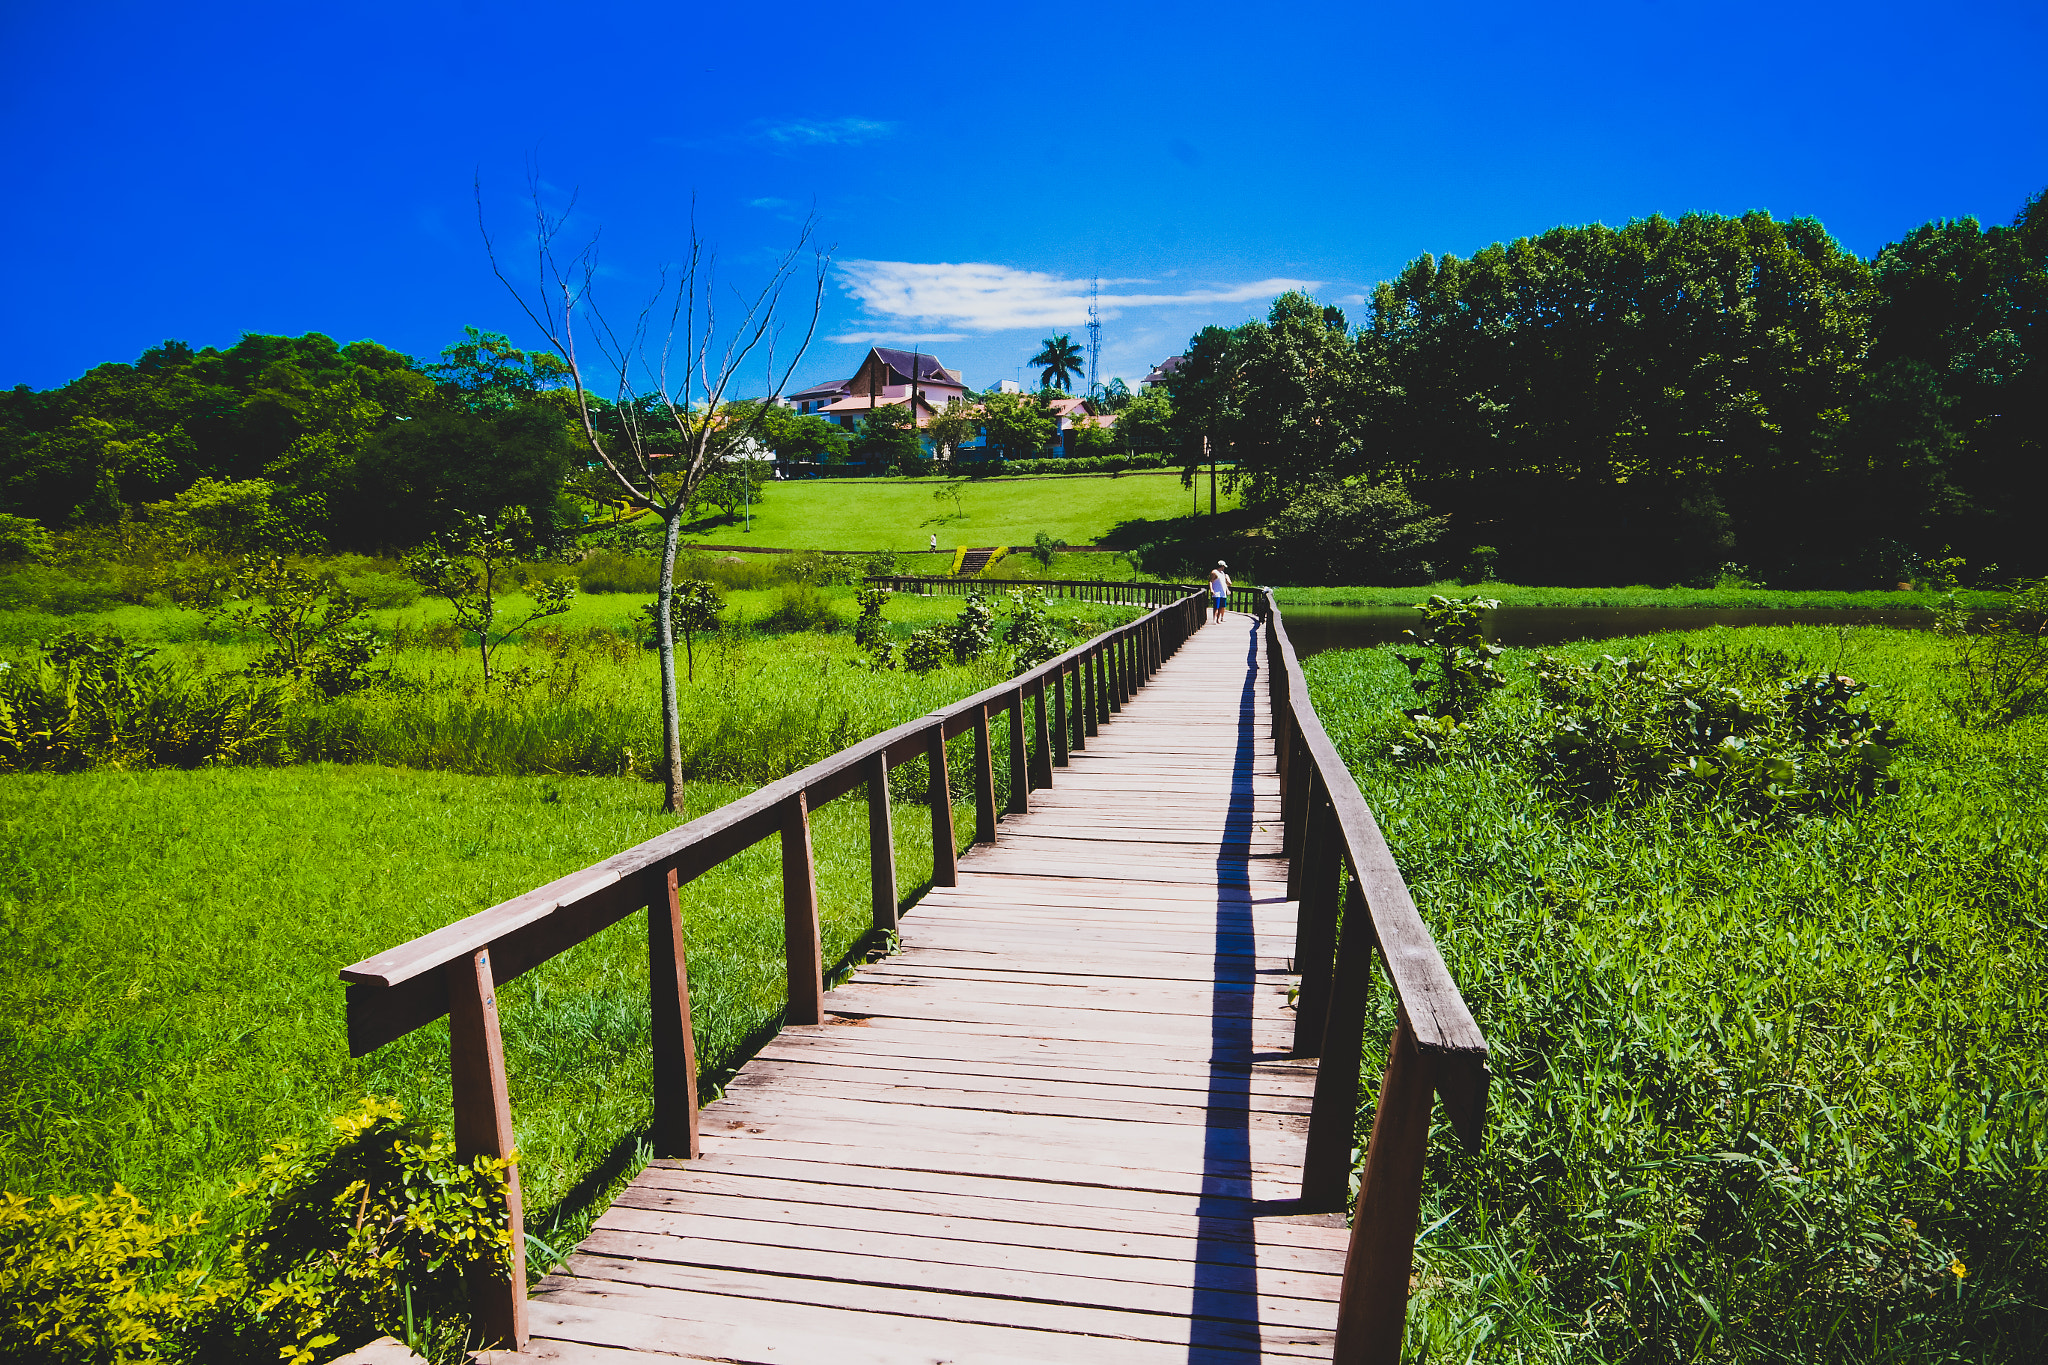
column 1763, row 1089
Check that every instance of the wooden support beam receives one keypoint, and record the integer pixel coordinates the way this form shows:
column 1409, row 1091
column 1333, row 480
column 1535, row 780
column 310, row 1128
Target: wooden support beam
column 1020, row 759
column 1326, row 1165
column 483, row 1127
column 1041, row 738
column 1062, row 720
column 881, row 843
column 674, row 1039
column 1315, row 925
column 1373, row 1308
column 939, row 792
column 984, row 780
column 800, row 942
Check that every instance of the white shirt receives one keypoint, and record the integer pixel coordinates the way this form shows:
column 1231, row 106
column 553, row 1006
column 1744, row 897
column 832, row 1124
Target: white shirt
column 1219, row 583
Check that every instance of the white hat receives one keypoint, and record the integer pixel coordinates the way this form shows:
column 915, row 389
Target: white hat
column 1220, row 564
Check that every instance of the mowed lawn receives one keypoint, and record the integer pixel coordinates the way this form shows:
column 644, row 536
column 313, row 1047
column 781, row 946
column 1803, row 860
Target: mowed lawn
column 903, row 514
column 169, row 1004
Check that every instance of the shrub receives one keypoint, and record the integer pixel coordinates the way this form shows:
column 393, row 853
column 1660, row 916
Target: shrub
column 22, row 539
column 316, row 632
column 1355, row 531
column 1453, row 645
column 1738, row 729
column 99, row 701
column 799, row 606
column 2000, row 669
column 1030, row 635
column 820, row 570
column 1043, row 547
column 59, row 592
column 610, row 571
column 871, row 631
column 74, row 1279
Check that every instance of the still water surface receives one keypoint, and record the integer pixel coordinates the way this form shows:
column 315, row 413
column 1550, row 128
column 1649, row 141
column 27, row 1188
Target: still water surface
column 1315, row 629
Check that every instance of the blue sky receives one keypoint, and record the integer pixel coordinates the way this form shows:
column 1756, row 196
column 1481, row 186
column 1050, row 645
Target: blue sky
column 198, row 172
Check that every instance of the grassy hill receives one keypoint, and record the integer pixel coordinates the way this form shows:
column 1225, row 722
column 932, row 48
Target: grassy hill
column 902, row 514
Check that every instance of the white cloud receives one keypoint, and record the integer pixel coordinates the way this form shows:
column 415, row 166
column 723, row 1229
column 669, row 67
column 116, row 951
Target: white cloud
column 896, row 338
column 980, row 297
column 836, row 132
column 768, row 203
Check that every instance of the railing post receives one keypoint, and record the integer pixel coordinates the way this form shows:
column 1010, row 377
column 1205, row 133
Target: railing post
column 881, row 842
column 1041, row 739
column 1326, row 1165
column 1062, row 718
column 483, row 1127
column 674, row 1040
column 1090, row 686
column 1020, row 759
column 1372, row 1308
column 945, row 858
column 800, row 916
column 1315, row 922
column 984, row 780
column 1295, row 798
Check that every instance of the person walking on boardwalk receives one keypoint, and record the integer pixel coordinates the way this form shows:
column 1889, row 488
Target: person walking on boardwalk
column 1219, row 589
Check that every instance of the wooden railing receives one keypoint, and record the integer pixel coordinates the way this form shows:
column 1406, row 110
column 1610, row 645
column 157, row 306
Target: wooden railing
column 1333, row 844
column 1125, row 593
column 456, row 971
column 1337, row 856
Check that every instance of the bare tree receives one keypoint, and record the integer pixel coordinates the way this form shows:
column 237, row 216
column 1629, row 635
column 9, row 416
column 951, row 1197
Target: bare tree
column 670, row 370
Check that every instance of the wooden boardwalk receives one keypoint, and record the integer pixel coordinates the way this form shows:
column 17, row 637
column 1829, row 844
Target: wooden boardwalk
column 1061, row 1125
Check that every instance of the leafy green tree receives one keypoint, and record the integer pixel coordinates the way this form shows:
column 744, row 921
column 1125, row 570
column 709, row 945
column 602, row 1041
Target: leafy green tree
column 953, row 427
column 1115, row 397
column 693, row 611
column 318, row 632
column 485, row 372
column 1019, row 426
column 736, row 484
column 1144, row 426
column 222, row 517
column 466, row 566
column 888, row 436
column 22, row 540
column 789, row 434
column 1354, row 531
column 417, row 477
column 1059, row 359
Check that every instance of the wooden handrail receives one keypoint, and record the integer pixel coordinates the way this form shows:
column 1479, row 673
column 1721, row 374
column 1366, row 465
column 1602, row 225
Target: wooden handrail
column 1337, row 855
column 459, row 968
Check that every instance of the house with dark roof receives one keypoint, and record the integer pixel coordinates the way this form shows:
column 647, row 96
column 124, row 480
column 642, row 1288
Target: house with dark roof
column 1163, row 371
column 887, row 377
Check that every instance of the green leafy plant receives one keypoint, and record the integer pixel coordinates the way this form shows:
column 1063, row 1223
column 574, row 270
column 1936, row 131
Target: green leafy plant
column 1043, row 547
column 871, row 631
column 1452, row 646
column 1030, row 635
column 97, row 700
column 467, row 566
column 1999, row 671
column 317, row 631
column 1765, row 741
column 693, row 610
column 972, row 631
column 75, row 1279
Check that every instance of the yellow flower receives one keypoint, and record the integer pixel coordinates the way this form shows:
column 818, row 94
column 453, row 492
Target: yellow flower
column 1910, row 1224
column 1957, row 1267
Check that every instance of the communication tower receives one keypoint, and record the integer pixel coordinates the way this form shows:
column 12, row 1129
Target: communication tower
column 1094, row 335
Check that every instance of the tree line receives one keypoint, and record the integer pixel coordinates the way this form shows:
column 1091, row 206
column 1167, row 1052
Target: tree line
column 1656, row 402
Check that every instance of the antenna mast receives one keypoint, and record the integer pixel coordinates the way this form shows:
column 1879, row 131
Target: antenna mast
column 1094, row 335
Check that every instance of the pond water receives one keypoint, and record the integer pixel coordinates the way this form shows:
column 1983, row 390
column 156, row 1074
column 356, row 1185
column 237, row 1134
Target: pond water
column 1315, row 629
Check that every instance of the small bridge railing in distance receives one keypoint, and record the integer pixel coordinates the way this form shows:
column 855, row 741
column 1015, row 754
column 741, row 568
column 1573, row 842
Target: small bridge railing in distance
column 1334, row 845
column 456, row 970
column 1125, row 592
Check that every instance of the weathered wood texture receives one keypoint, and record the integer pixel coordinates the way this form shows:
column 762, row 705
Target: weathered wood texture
column 1065, row 1123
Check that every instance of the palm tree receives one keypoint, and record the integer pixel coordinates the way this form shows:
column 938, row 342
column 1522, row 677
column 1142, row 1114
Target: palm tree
column 1062, row 361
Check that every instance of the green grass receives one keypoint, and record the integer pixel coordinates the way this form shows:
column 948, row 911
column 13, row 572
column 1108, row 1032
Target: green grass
column 1518, row 595
column 882, row 514
column 170, row 1007
column 1757, row 1092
